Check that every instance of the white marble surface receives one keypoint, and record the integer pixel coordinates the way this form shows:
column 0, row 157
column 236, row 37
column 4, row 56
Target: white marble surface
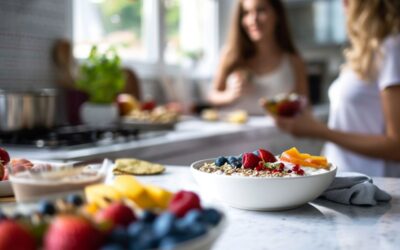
column 317, row 225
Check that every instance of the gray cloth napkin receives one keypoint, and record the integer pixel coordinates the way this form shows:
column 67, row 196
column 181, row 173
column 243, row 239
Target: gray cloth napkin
column 354, row 189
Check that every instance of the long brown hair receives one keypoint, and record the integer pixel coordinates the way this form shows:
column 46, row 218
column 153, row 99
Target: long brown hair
column 239, row 47
column 369, row 22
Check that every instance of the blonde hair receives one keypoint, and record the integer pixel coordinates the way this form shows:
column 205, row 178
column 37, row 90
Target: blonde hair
column 240, row 47
column 369, row 22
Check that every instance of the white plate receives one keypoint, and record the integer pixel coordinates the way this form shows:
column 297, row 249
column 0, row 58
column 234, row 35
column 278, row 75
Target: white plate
column 5, row 189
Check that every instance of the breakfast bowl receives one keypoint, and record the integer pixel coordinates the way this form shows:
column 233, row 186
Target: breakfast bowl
column 31, row 181
column 265, row 193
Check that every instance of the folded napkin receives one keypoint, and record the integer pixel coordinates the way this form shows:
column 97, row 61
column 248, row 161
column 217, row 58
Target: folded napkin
column 354, row 189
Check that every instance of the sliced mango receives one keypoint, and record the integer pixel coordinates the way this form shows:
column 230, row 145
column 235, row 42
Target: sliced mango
column 292, row 155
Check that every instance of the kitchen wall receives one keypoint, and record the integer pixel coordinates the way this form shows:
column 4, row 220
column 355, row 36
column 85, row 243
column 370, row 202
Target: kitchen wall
column 28, row 29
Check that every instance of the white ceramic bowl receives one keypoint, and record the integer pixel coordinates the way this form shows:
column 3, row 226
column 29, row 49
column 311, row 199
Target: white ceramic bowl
column 262, row 193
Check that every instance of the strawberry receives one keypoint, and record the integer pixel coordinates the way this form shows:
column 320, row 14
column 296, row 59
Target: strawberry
column 266, row 156
column 69, row 232
column 250, row 160
column 14, row 236
column 117, row 213
column 184, row 201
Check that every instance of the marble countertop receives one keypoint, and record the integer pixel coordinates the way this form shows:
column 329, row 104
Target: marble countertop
column 319, row 224
column 191, row 139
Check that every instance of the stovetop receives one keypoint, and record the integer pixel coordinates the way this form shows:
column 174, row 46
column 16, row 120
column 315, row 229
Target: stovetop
column 72, row 136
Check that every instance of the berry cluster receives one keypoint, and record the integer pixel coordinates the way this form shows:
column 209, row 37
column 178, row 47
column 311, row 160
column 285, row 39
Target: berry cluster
column 64, row 224
column 259, row 160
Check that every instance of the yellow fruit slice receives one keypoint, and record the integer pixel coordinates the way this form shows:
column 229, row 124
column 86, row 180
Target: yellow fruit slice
column 160, row 196
column 101, row 194
column 292, row 155
column 132, row 189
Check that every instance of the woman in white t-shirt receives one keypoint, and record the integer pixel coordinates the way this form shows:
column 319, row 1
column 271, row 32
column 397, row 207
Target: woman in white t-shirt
column 363, row 131
column 259, row 58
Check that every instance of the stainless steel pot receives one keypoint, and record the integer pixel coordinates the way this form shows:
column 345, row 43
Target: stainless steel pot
column 27, row 109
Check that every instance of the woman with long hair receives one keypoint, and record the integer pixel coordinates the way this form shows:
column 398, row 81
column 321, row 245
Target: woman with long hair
column 363, row 131
column 259, row 58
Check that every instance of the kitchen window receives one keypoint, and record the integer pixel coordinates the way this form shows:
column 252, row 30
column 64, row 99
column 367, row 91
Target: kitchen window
column 154, row 33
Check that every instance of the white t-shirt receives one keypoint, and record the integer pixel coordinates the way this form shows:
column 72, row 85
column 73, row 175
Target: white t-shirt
column 356, row 107
column 279, row 81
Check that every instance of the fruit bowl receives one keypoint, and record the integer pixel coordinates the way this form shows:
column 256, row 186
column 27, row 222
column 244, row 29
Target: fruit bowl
column 287, row 105
column 262, row 193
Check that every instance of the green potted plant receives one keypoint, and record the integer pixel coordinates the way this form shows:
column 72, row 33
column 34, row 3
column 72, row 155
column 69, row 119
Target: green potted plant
column 100, row 76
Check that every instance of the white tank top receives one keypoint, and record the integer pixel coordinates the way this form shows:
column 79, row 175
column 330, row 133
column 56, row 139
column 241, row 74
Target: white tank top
column 281, row 80
column 356, row 106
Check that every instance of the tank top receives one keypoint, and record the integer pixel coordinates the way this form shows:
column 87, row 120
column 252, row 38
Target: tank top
column 356, row 107
column 281, row 80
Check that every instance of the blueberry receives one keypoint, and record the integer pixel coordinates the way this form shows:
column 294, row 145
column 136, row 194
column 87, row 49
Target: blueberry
column 165, row 224
column 148, row 216
column 240, row 158
column 212, row 216
column 168, row 243
column 75, row 199
column 236, row 164
column 232, row 159
column 193, row 216
column 136, row 229
column 196, row 230
column 256, row 153
column 113, row 246
column 220, row 161
column 119, row 235
column 146, row 241
column 47, row 207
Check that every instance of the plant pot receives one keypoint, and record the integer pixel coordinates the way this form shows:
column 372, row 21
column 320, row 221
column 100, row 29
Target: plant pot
column 98, row 115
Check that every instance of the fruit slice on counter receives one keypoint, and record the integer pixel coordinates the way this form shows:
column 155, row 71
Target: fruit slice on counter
column 101, row 194
column 136, row 167
column 294, row 156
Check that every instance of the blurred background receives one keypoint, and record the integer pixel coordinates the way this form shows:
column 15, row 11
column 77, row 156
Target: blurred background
column 170, row 44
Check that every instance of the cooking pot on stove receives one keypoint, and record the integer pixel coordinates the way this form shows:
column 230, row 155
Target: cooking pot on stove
column 27, row 109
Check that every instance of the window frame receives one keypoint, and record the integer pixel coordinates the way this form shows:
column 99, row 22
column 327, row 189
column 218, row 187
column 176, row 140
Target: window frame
column 155, row 66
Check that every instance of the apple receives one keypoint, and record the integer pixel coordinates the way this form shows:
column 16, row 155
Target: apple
column 126, row 103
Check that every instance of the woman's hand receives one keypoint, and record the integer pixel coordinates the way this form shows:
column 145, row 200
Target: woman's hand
column 301, row 125
column 235, row 87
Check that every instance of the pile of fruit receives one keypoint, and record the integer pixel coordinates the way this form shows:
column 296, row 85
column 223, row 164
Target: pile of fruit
column 287, row 105
column 147, row 111
column 123, row 215
column 263, row 163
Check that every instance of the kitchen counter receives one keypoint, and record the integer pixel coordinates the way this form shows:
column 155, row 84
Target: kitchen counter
column 317, row 225
column 192, row 139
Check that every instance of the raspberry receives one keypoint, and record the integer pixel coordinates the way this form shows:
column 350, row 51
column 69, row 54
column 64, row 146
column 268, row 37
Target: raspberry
column 250, row 160
column 296, row 168
column 118, row 214
column 182, row 202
